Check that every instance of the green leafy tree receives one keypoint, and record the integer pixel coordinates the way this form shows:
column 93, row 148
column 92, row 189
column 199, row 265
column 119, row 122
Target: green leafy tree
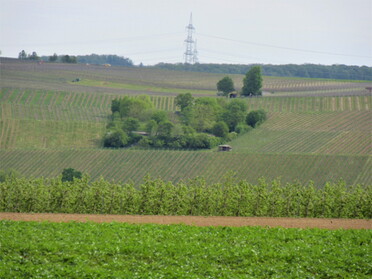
column 117, row 138
column 53, row 58
column 138, row 107
column 130, row 124
column 165, row 129
column 34, row 56
column 22, row 55
column 70, row 173
column 220, row 129
column 256, row 117
column 159, row 116
column 235, row 113
column 115, row 105
column 225, row 85
column 68, row 59
column 204, row 114
column 252, row 82
column 184, row 100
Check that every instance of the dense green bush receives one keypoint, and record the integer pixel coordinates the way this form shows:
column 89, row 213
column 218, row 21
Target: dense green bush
column 256, row 117
column 194, row 197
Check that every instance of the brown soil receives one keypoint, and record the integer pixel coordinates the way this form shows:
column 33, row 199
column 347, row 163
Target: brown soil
column 195, row 220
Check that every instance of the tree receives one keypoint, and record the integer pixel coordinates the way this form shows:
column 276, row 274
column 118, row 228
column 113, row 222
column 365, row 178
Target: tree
column 130, row 124
column 115, row 105
column 68, row 59
column 53, row 58
column 22, row 55
column 70, row 173
column 235, row 112
column 184, row 100
column 252, row 82
column 203, row 114
column 117, row 138
column 256, row 117
column 220, row 129
column 225, row 85
column 34, row 56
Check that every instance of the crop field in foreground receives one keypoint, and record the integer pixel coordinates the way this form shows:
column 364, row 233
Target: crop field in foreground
column 90, row 250
column 134, row 165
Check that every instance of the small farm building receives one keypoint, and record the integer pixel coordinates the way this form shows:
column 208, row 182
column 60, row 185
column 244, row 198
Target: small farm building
column 224, row 147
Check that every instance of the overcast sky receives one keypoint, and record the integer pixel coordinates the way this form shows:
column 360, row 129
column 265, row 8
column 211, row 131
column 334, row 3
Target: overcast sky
column 227, row 31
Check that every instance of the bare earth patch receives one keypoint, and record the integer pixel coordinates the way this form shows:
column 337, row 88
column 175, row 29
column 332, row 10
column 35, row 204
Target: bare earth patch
column 195, row 220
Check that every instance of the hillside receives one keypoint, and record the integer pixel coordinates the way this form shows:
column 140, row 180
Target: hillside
column 317, row 129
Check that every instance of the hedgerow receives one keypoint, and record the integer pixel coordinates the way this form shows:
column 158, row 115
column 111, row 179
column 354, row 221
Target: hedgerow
column 194, row 197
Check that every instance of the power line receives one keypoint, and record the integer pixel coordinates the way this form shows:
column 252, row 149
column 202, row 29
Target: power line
column 280, row 47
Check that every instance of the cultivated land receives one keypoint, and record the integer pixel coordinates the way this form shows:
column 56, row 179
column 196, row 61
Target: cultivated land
column 317, row 129
column 113, row 250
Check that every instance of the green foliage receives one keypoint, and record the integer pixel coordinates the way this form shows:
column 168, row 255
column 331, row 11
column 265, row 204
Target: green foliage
column 225, row 85
column 22, row 55
column 53, row 58
column 8, row 174
column 256, row 117
column 160, row 116
column 234, row 113
column 289, row 70
column 138, row 107
column 130, row 124
column 105, row 59
column 115, row 138
column 120, row 250
column 184, row 100
column 220, row 129
column 229, row 198
column 252, row 82
column 115, row 105
column 70, row 174
column 203, row 114
column 68, row 59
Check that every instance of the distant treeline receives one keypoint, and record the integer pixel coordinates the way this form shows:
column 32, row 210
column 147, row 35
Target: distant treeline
column 289, row 70
column 111, row 59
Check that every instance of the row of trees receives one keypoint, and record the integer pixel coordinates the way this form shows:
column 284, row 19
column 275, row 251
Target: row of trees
column 24, row 56
column 194, row 197
column 201, row 123
column 289, row 70
column 252, row 84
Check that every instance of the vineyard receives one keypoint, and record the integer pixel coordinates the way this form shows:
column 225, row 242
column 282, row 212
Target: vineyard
column 137, row 80
column 134, row 165
column 317, row 129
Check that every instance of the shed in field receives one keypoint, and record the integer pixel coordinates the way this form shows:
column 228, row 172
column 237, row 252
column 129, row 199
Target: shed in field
column 224, row 147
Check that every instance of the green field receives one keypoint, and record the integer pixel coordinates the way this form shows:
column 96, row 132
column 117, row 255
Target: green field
column 113, row 250
column 317, row 129
column 134, row 165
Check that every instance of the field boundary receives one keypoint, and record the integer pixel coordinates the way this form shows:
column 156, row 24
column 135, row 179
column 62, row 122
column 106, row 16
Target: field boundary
column 303, row 223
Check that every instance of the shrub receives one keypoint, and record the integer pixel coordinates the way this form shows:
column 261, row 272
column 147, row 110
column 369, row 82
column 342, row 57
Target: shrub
column 256, row 117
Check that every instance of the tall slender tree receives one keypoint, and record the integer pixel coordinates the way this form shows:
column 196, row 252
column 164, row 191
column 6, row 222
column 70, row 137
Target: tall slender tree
column 252, row 82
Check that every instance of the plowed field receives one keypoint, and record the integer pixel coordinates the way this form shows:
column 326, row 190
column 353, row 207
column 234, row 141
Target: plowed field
column 196, row 220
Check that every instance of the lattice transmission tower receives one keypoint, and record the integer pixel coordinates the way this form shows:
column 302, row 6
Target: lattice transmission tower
column 191, row 54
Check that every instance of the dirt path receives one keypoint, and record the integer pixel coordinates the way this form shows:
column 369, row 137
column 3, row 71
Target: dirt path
column 196, row 220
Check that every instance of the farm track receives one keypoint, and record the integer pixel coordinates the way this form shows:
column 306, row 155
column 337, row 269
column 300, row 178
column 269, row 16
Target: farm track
column 201, row 221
